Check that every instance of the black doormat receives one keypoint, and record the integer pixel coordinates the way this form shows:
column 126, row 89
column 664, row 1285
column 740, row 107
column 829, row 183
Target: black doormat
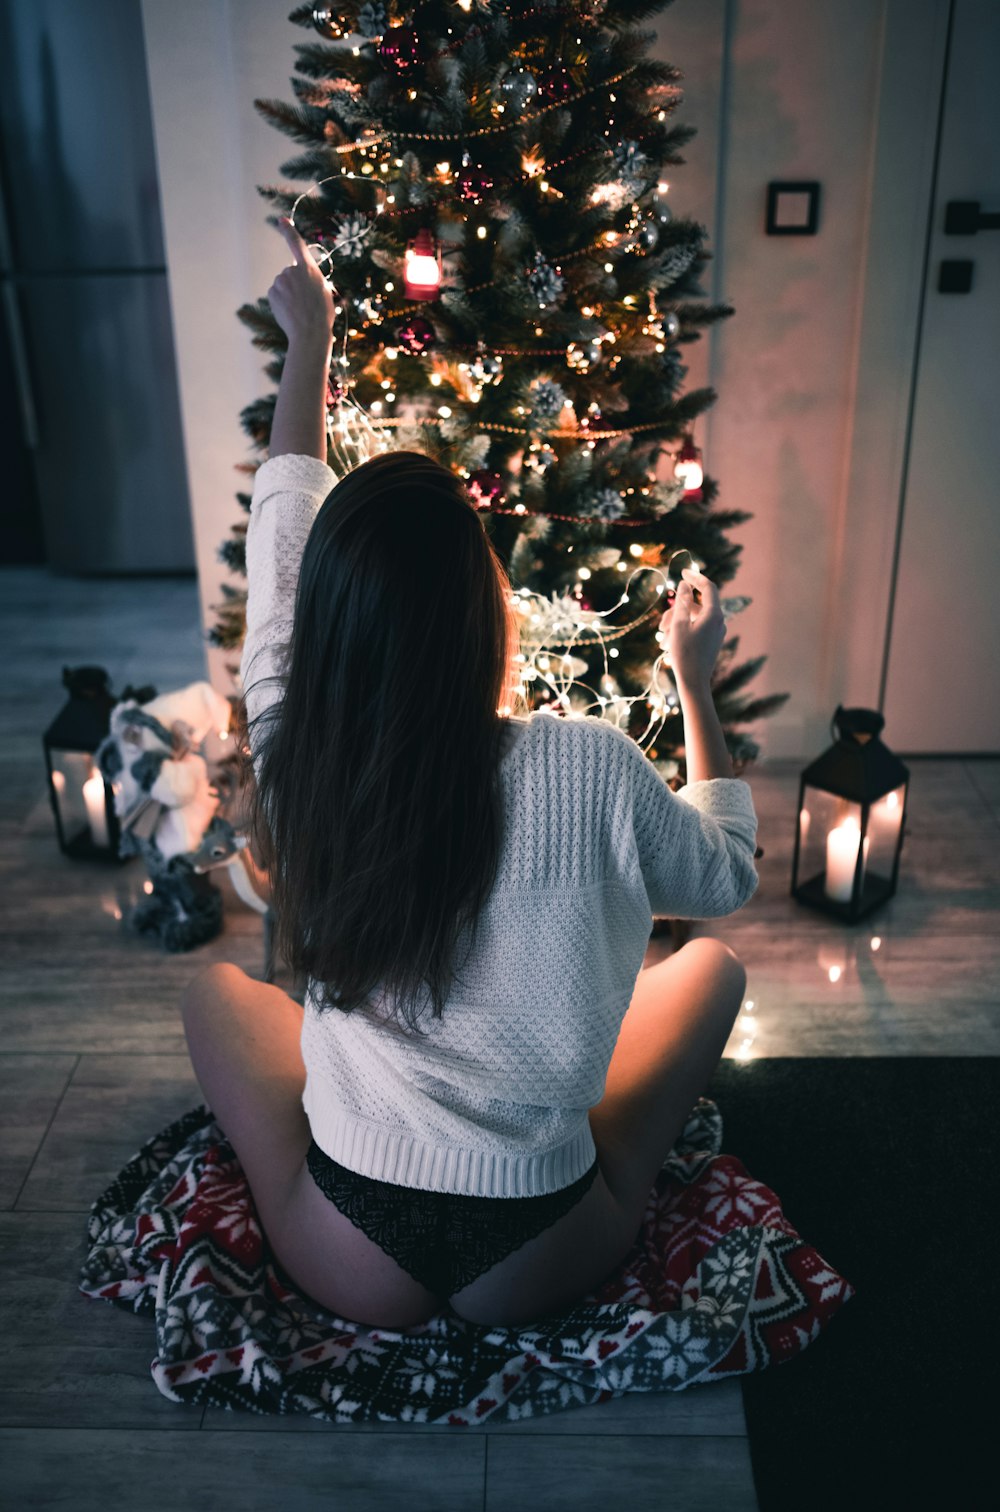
column 890, row 1168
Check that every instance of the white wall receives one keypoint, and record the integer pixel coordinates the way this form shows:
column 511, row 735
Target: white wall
column 777, row 89
column 208, row 61
column 801, row 104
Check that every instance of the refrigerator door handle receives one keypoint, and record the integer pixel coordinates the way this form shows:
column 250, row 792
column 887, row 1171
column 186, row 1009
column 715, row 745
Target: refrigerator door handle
column 15, row 331
column 19, row 357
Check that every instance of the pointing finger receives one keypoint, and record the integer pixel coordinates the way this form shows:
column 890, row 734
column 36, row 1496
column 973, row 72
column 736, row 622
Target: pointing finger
column 294, row 241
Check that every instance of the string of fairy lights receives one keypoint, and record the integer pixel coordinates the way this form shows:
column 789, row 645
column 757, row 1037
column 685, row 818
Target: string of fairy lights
column 552, row 629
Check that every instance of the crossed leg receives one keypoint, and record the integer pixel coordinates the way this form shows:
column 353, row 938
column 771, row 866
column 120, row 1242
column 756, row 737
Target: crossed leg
column 243, row 1037
column 670, row 1041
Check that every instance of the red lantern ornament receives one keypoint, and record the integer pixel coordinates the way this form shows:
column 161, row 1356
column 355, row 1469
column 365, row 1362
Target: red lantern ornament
column 485, row 487
column 416, row 335
column 422, row 267
column 555, row 84
column 688, row 468
column 473, row 183
column 400, row 48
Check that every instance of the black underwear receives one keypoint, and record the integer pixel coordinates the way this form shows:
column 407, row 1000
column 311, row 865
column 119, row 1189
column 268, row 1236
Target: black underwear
column 444, row 1240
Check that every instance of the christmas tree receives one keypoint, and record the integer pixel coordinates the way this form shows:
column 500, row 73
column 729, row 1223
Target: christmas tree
column 514, row 295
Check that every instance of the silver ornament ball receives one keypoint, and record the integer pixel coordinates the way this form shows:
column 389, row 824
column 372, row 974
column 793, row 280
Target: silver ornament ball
column 519, row 87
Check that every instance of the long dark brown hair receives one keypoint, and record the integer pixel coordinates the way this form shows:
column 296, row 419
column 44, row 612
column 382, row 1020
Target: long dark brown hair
column 377, row 808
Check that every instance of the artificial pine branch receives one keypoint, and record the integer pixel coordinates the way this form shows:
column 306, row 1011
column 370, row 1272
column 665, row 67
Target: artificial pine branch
column 560, row 271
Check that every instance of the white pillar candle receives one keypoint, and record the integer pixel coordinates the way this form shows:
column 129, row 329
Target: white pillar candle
column 884, row 821
column 93, row 797
column 841, row 858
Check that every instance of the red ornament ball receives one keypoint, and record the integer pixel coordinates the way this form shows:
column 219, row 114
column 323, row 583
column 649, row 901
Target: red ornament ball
column 335, row 391
column 485, row 487
column 473, row 184
column 400, row 47
column 416, row 335
column 555, row 84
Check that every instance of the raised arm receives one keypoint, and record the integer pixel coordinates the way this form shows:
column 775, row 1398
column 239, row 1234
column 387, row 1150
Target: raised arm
column 302, row 302
column 291, row 485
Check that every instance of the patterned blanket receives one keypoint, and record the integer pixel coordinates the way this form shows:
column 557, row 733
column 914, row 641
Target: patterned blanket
column 717, row 1284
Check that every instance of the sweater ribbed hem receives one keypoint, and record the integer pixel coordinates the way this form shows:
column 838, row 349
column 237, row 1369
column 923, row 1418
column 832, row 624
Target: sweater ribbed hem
column 405, row 1160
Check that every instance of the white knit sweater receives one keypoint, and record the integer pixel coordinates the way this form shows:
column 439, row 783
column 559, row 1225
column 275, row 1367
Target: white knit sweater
column 493, row 1100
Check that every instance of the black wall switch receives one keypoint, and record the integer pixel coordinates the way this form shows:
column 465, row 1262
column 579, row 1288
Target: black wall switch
column 793, row 208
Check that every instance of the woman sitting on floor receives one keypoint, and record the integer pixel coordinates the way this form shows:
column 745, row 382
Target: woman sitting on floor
column 476, row 1099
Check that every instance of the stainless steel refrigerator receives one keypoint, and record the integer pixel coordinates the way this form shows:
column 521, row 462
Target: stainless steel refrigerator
column 94, row 472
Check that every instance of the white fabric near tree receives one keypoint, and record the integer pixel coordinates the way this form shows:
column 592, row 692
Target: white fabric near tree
column 493, row 1099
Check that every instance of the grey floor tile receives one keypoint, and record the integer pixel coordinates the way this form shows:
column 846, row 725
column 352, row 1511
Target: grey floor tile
column 91, row 1470
column 30, row 1089
column 112, row 1106
column 715, row 1411
column 70, row 1361
column 652, row 1474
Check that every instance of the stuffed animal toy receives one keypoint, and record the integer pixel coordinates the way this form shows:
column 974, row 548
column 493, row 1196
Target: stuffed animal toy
column 166, row 804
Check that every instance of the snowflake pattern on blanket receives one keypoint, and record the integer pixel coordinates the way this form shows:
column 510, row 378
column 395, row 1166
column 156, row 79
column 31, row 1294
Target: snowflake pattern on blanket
column 717, row 1284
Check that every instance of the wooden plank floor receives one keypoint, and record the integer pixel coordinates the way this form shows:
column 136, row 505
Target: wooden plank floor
column 92, row 1060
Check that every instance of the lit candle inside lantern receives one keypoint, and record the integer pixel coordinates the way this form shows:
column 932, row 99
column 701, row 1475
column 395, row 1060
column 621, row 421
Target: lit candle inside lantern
column 884, row 820
column 804, row 818
column 841, row 858
column 93, row 797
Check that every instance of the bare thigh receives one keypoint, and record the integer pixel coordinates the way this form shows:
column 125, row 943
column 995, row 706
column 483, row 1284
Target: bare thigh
column 670, row 1042
column 243, row 1036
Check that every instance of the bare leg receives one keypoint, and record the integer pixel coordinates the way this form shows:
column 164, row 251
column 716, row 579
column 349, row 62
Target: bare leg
column 243, row 1037
column 671, row 1040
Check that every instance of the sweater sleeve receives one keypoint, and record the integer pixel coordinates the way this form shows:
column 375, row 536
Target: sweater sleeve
column 696, row 846
column 287, row 494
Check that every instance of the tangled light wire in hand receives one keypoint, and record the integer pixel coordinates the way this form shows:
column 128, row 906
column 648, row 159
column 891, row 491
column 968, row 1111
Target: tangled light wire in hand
column 553, row 628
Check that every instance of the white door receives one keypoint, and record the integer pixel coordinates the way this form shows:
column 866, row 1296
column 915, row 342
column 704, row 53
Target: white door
column 942, row 677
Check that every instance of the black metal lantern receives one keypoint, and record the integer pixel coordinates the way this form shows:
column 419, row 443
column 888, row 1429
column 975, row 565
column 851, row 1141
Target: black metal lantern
column 850, row 822
column 82, row 801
